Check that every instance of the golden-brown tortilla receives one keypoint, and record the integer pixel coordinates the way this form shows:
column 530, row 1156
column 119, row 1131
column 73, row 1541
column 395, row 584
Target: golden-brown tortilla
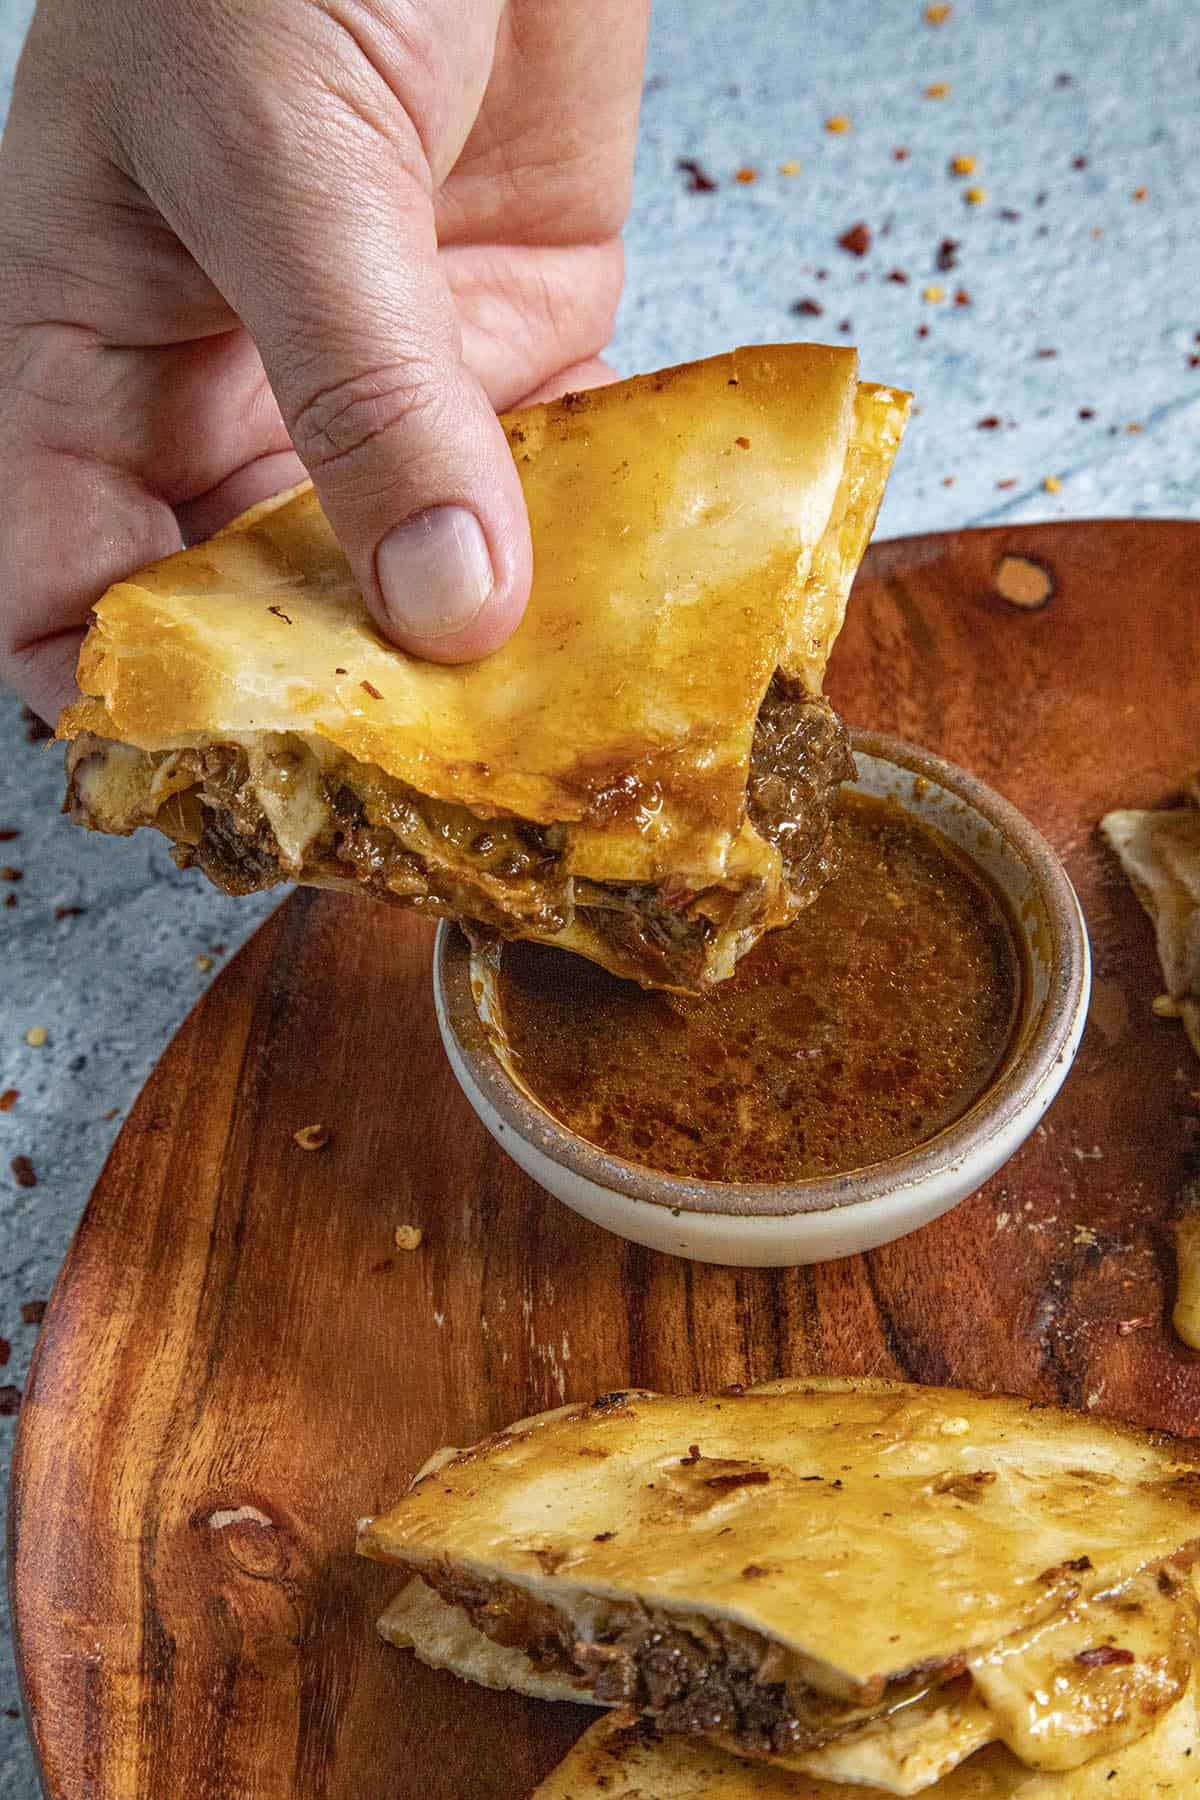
column 694, row 531
column 867, row 1527
column 622, row 1759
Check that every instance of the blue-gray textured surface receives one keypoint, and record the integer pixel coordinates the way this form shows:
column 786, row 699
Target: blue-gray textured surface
column 1108, row 281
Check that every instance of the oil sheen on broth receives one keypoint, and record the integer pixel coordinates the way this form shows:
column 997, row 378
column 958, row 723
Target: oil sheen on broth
column 871, row 1023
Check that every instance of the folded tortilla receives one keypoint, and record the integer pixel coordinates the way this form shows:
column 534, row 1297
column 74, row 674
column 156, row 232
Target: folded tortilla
column 643, row 774
column 853, row 1580
column 1160, row 854
column 624, row 1758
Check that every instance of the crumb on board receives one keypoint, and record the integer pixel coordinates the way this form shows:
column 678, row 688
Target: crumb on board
column 36, row 1036
column 933, row 293
column 1052, row 484
column 937, row 90
column 939, row 12
column 746, row 175
column 962, row 165
column 838, row 124
column 1165, row 1006
column 1022, row 582
column 312, row 1137
column 975, row 196
column 790, row 167
column 204, row 964
column 9, row 1098
column 408, row 1237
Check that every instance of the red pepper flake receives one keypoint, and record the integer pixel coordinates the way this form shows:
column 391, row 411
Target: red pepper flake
column 746, row 176
column 10, row 874
column 7, row 836
column 5, row 1351
column 368, row 687
column 111, row 1114
column 381, row 1268
column 901, row 153
column 10, row 899
column 10, row 1401
column 1104, row 1656
column 947, row 256
column 1194, row 362
column 961, row 297
column 922, row 331
column 33, row 1311
column 279, row 614
column 947, row 481
column 990, row 423
column 845, row 326
column 1045, row 355
column 743, row 443
column 1087, row 412
column 1010, row 213
column 807, row 309
column 1010, row 483
column 898, row 276
column 23, row 1172
column 9, row 1098
column 341, row 671
column 36, row 729
column 1141, row 193
column 69, row 912
column 699, row 181
column 1079, row 162
column 857, row 239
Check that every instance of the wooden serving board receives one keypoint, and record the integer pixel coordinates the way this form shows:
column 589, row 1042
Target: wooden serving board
column 238, row 1362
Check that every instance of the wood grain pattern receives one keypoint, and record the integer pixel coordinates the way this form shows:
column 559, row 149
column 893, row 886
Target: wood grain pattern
column 238, row 1362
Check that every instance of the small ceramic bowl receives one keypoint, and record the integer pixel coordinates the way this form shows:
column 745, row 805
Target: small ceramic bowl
column 766, row 1225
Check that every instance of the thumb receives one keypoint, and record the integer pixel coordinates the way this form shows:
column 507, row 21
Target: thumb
column 329, row 256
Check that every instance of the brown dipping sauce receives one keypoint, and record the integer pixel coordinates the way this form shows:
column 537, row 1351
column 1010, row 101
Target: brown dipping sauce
column 870, row 1024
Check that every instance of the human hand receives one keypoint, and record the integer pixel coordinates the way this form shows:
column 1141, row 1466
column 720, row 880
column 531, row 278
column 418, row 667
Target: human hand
column 242, row 243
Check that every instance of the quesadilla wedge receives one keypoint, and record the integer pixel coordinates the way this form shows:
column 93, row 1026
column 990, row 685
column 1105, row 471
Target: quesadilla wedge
column 1160, row 854
column 625, row 1758
column 644, row 774
column 854, row 1580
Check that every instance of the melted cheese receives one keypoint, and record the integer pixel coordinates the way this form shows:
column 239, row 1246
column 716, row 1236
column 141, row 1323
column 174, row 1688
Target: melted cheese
column 1094, row 1679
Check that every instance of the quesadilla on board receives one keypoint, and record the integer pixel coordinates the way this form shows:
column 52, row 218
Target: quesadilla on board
column 854, row 1580
column 644, row 773
column 623, row 1758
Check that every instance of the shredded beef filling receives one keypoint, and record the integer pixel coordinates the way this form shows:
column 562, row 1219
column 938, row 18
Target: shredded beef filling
column 694, row 1677
column 505, row 876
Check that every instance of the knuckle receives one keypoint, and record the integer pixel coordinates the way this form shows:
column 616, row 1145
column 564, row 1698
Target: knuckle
column 352, row 417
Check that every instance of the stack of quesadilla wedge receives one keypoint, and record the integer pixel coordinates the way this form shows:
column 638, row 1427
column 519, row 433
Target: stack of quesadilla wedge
column 644, row 774
column 821, row 1588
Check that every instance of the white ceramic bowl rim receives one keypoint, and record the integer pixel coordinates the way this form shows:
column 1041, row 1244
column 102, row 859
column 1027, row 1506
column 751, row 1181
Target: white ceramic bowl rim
column 1045, row 1042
